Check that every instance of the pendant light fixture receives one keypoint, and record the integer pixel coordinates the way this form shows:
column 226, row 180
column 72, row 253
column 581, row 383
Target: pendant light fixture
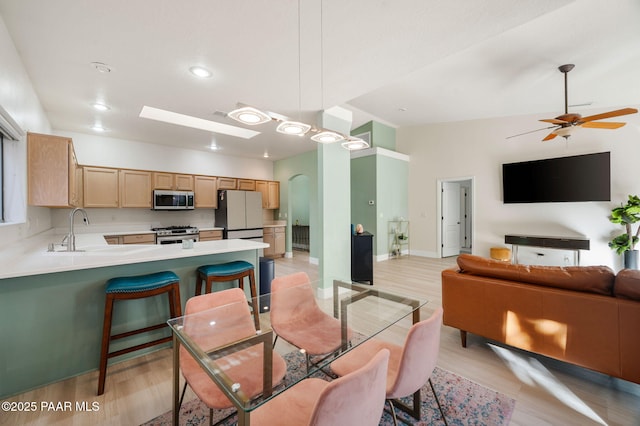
column 250, row 115
column 293, row 128
column 327, row 137
column 354, row 144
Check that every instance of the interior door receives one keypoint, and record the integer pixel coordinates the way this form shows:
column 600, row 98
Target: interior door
column 450, row 219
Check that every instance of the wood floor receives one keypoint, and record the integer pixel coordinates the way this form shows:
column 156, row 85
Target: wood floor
column 547, row 392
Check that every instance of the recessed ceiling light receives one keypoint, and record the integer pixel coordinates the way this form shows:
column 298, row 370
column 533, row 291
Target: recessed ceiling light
column 98, row 128
column 214, row 147
column 355, row 144
column 100, row 106
column 200, row 72
column 327, row 137
column 249, row 115
column 101, row 67
column 195, row 122
column 265, row 155
column 293, row 128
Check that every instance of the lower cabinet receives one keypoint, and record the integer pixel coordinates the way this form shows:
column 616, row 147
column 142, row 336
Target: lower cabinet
column 275, row 237
column 211, row 235
column 147, row 238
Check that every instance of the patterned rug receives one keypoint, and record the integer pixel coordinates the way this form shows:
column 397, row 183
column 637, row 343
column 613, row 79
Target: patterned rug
column 463, row 401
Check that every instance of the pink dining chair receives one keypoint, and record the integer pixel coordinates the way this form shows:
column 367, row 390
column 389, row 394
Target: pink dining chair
column 233, row 322
column 354, row 399
column 410, row 366
column 297, row 318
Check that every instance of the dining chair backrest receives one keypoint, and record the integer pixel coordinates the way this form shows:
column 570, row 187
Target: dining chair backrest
column 419, row 356
column 292, row 298
column 228, row 322
column 354, row 399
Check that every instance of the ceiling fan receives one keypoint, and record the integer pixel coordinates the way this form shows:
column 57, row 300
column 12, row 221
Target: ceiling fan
column 564, row 124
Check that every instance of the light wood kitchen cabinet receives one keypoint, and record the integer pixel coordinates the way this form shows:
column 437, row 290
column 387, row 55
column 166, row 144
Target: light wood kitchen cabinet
column 172, row 181
column 227, row 183
column 206, row 192
column 275, row 237
column 138, row 239
column 112, row 239
column 100, row 187
column 135, row 188
column 246, row 184
column 270, row 193
column 211, row 235
column 52, row 171
column 146, row 238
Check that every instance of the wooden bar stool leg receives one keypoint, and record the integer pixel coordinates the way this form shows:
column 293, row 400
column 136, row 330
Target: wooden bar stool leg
column 106, row 338
column 199, row 283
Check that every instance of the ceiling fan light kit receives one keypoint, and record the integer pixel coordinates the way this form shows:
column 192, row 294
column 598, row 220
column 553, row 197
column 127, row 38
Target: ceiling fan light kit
column 567, row 123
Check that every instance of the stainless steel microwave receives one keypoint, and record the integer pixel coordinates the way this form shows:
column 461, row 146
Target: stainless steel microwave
column 173, row 200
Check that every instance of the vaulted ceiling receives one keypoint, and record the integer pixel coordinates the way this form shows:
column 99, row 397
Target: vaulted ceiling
column 403, row 63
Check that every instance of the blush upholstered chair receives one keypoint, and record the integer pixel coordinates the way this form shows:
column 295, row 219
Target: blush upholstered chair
column 232, row 322
column 410, row 366
column 297, row 318
column 354, row 399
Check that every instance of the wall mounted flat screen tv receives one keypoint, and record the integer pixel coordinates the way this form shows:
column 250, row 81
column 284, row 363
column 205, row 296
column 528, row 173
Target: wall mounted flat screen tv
column 565, row 179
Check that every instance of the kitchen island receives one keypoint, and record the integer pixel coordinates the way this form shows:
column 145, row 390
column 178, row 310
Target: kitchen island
column 52, row 303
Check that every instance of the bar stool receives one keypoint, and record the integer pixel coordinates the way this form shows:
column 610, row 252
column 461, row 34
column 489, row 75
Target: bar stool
column 137, row 287
column 230, row 271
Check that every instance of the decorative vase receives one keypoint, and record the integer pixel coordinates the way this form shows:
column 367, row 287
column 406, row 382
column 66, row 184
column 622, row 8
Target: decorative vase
column 631, row 259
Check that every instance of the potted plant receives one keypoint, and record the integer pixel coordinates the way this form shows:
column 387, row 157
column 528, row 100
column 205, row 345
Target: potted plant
column 625, row 243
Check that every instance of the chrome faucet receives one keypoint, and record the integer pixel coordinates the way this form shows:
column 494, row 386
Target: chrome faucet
column 71, row 237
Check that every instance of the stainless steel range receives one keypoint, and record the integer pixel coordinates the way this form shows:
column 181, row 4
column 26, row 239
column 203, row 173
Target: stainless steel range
column 175, row 234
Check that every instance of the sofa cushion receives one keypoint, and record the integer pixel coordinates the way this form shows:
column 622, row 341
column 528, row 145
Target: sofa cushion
column 589, row 279
column 627, row 285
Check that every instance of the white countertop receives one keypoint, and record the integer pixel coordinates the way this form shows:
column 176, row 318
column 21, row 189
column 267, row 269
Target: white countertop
column 30, row 256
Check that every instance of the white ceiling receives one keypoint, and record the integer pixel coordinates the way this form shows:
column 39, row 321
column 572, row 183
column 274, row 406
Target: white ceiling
column 403, row 62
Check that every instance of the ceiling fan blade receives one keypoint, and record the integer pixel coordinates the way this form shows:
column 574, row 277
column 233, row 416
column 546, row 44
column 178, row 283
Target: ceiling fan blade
column 603, row 124
column 609, row 114
column 532, row 131
column 554, row 121
column 549, row 137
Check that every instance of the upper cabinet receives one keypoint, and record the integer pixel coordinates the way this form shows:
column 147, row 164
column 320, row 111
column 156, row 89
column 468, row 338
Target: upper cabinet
column 227, row 183
column 172, row 181
column 53, row 172
column 270, row 193
column 206, row 192
column 134, row 188
column 100, row 187
column 246, row 184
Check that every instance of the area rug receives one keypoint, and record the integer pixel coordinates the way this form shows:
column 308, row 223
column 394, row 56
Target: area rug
column 463, row 401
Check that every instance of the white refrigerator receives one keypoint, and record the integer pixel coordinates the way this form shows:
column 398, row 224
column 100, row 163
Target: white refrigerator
column 240, row 214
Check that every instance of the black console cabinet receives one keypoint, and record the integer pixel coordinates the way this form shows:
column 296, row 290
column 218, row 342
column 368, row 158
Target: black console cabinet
column 362, row 258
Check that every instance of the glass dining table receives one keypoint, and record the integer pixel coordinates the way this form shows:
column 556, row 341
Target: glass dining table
column 363, row 311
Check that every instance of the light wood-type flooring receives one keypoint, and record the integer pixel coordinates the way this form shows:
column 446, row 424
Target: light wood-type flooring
column 547, row 392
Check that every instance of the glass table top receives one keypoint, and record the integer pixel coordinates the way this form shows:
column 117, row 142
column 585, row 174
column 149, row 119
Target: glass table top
column 239, row 357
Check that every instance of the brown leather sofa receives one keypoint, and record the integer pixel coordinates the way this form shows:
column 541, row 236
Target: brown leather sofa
column 584, row 315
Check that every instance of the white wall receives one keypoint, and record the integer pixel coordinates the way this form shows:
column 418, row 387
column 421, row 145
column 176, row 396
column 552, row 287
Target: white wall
column 18, row 97
column 479, row 148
